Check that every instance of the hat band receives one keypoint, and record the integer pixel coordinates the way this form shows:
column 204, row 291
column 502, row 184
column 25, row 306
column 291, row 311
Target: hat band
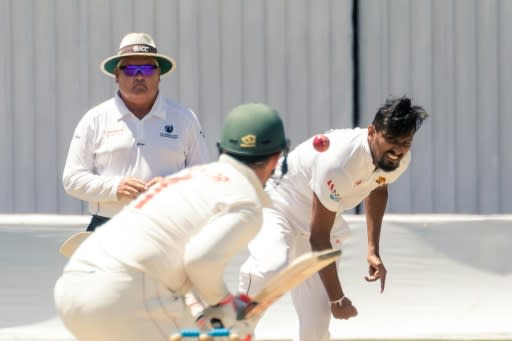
column 137, row 48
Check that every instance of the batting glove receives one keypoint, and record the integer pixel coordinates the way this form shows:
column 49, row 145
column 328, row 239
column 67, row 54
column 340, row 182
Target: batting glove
column 228, row 313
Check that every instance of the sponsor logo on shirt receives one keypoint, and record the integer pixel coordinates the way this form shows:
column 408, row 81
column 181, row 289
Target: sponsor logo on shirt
column 114, row 132
column 381, row 180
column 334, row 195
column 168, row 129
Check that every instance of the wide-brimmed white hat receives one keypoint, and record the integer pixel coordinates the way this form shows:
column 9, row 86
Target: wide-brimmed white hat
column 137, row 44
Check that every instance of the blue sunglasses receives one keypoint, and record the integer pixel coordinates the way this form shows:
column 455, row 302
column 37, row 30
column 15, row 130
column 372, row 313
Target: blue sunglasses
column 133, row 70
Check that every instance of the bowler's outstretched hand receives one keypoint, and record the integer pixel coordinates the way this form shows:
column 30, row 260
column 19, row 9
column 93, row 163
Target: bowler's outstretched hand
column 377, row 271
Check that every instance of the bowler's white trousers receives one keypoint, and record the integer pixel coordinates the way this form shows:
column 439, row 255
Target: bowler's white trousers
column 100, row 305
column 275, row 246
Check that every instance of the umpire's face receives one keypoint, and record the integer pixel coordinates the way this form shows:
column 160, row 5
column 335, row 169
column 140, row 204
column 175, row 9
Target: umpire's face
column 138, row 79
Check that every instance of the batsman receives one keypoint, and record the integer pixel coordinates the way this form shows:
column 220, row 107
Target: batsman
column 128, row 280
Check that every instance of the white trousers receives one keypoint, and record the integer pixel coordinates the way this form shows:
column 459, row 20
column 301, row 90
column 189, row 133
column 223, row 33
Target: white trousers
column 275, row 246
column 124, row 306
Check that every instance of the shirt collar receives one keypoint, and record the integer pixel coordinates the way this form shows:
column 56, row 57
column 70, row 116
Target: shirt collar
column 366, row 147
column 157, row 109
column 249, row 174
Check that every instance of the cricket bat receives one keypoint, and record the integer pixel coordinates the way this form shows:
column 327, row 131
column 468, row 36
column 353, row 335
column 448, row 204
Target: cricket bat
column 72, row 243
column 296, row 272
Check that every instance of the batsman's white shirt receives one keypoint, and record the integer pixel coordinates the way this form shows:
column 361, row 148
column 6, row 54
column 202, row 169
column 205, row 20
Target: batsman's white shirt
column 182, row 231
column 341, row 177
column 110, row 143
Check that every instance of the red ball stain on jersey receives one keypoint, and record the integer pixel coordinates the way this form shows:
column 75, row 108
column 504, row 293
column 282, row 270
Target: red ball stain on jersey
column 321, row 143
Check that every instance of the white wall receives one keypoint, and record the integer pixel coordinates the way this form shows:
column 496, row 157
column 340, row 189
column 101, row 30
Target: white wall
column 450, row 56
column 293, row 55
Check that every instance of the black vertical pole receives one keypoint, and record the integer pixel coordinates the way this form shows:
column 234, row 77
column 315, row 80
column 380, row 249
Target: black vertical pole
column 355, row 70
column 355, row 62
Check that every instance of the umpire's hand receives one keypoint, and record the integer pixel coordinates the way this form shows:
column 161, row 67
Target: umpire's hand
column 130, row 188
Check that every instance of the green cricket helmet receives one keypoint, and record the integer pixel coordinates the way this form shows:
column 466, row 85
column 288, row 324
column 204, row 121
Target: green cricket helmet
column 253, row 129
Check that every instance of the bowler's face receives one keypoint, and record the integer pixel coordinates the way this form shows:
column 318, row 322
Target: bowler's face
column 388, row 151
column 139, row 89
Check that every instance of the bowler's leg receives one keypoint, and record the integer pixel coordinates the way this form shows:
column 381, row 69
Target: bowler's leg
column 269, row 253
column 312, row 306
column 311, row 303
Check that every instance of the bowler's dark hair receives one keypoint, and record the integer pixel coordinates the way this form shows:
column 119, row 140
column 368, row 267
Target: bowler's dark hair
column 398, row 118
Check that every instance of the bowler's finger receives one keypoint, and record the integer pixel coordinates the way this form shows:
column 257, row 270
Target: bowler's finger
column 382, row 284
column 371, row 278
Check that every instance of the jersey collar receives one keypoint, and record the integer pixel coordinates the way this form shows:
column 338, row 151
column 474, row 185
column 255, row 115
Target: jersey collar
column 368, row 152
column 157, row 110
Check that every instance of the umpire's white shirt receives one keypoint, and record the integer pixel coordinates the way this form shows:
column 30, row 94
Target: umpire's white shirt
column 341, row 177
column 110, row 143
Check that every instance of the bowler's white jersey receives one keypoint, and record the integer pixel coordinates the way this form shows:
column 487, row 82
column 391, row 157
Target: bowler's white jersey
column 341, row 177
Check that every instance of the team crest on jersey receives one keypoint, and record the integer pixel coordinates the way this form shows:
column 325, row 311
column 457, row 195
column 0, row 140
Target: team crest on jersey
column 358, row 182
column 381, row 180
column 168, row 129
column 248, row 141
column 334, row 195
